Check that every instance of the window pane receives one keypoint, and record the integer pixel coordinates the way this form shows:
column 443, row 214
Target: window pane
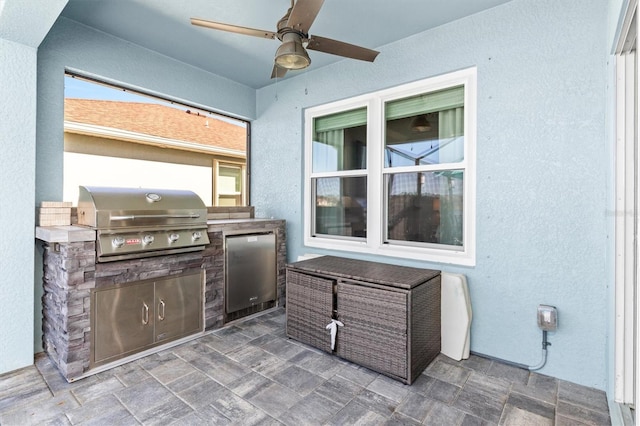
column 340, row 206
column 229, row 180
column 425, row 207
column 229, row 185
column 340, row 141
column 425, row 129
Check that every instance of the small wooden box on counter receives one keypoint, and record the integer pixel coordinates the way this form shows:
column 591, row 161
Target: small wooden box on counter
column 390, row 313
column 54, row 213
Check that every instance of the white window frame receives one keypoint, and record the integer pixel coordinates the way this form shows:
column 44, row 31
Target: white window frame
column 241, row 197
column 374, row 243
column 627, row 245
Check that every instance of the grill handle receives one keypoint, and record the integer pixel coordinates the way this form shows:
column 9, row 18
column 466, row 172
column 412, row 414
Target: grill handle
column 155, row 216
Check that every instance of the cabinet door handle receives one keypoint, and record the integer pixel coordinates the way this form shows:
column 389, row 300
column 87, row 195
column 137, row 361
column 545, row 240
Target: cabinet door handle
column 161, row 310
column 145, row 313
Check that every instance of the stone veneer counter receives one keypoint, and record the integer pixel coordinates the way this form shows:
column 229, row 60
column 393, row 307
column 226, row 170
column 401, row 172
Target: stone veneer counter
column 71, row 272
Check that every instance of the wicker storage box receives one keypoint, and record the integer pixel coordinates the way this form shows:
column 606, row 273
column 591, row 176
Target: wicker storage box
column 391, row 314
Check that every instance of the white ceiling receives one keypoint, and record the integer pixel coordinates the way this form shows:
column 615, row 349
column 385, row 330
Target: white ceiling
column 163, row 26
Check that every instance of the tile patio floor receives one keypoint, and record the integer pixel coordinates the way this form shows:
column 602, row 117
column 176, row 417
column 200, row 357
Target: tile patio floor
column 250, row 373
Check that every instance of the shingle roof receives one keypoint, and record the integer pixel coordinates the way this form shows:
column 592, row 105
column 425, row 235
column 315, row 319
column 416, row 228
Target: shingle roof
column 157, row 120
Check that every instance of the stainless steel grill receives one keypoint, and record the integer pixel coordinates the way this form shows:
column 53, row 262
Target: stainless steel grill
column 135, row 222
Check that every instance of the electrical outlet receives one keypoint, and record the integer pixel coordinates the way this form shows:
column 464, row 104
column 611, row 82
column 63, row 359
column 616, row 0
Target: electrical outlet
column 547, row 318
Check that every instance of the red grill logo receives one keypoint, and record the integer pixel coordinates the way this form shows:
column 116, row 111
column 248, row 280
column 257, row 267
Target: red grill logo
column 133, row 241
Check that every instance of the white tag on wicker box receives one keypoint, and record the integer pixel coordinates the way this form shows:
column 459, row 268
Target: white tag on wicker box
column 333, row 327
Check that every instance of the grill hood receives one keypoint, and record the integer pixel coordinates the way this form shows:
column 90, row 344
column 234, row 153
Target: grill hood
column 137, row 222
column 109, row 208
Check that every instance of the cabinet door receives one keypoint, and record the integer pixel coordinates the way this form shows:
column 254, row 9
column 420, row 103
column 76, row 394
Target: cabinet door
column 178, row 307
column 309, row 309
column 375, row 328
column 123, row 321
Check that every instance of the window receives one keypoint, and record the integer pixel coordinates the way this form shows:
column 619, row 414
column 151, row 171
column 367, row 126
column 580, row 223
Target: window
column 339, row 182
column 392, row 172
column 230, row 188
column 119, row 137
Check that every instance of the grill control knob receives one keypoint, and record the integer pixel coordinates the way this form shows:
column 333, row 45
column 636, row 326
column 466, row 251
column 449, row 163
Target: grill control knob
column 147, row 239
column 173, row 237
column 196, row 235
column 117, row 242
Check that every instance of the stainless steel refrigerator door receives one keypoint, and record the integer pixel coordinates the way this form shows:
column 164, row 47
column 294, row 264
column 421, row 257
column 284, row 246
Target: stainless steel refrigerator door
column 250, row 270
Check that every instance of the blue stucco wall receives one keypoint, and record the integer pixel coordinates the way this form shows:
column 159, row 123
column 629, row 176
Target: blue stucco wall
column 23, row 24
column 543, row 169
column 17, row 178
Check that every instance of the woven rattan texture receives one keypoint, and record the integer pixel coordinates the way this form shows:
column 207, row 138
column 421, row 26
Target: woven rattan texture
column 373, row 272
column 376, row 349
column 375, row 328
column 372, row 307
column 425, row 323
column 309, row 309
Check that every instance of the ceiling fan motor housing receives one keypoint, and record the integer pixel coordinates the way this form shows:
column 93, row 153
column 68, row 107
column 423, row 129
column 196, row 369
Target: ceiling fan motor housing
column 291, row 54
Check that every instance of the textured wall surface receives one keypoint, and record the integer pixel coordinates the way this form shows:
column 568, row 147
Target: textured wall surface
column 26, row 21
column 17, row 127
column 23, row 24
column 543, row 169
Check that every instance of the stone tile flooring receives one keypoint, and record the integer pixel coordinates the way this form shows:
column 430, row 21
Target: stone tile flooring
column 250, row 373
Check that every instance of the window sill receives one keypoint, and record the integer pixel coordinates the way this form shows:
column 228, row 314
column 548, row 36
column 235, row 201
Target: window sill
column 452, row 257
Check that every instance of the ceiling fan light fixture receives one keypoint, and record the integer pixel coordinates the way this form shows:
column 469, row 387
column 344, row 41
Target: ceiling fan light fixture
column 420, row 124
column 291, row 54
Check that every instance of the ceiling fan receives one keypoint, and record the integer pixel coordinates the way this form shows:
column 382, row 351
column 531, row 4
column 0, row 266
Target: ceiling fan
column 293, row 32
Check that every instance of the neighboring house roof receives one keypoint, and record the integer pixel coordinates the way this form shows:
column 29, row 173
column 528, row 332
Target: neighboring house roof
column 159, row 121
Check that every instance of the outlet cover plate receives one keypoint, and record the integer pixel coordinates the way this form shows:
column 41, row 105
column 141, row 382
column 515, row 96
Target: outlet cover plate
column 547, row 318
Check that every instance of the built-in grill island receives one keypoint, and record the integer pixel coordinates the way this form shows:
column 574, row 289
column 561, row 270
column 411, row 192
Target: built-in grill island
column 142, row 270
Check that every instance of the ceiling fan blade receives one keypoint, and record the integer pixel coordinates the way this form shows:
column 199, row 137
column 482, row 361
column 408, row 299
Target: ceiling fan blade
column 233, row 28
column 278, row 72
column 340, row 48
column 303, row 14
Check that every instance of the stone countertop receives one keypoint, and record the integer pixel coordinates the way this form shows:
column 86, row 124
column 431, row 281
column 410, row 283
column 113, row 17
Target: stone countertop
column 239, row 226
column 65, row 234
column 247, row 220
column 74, row 233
